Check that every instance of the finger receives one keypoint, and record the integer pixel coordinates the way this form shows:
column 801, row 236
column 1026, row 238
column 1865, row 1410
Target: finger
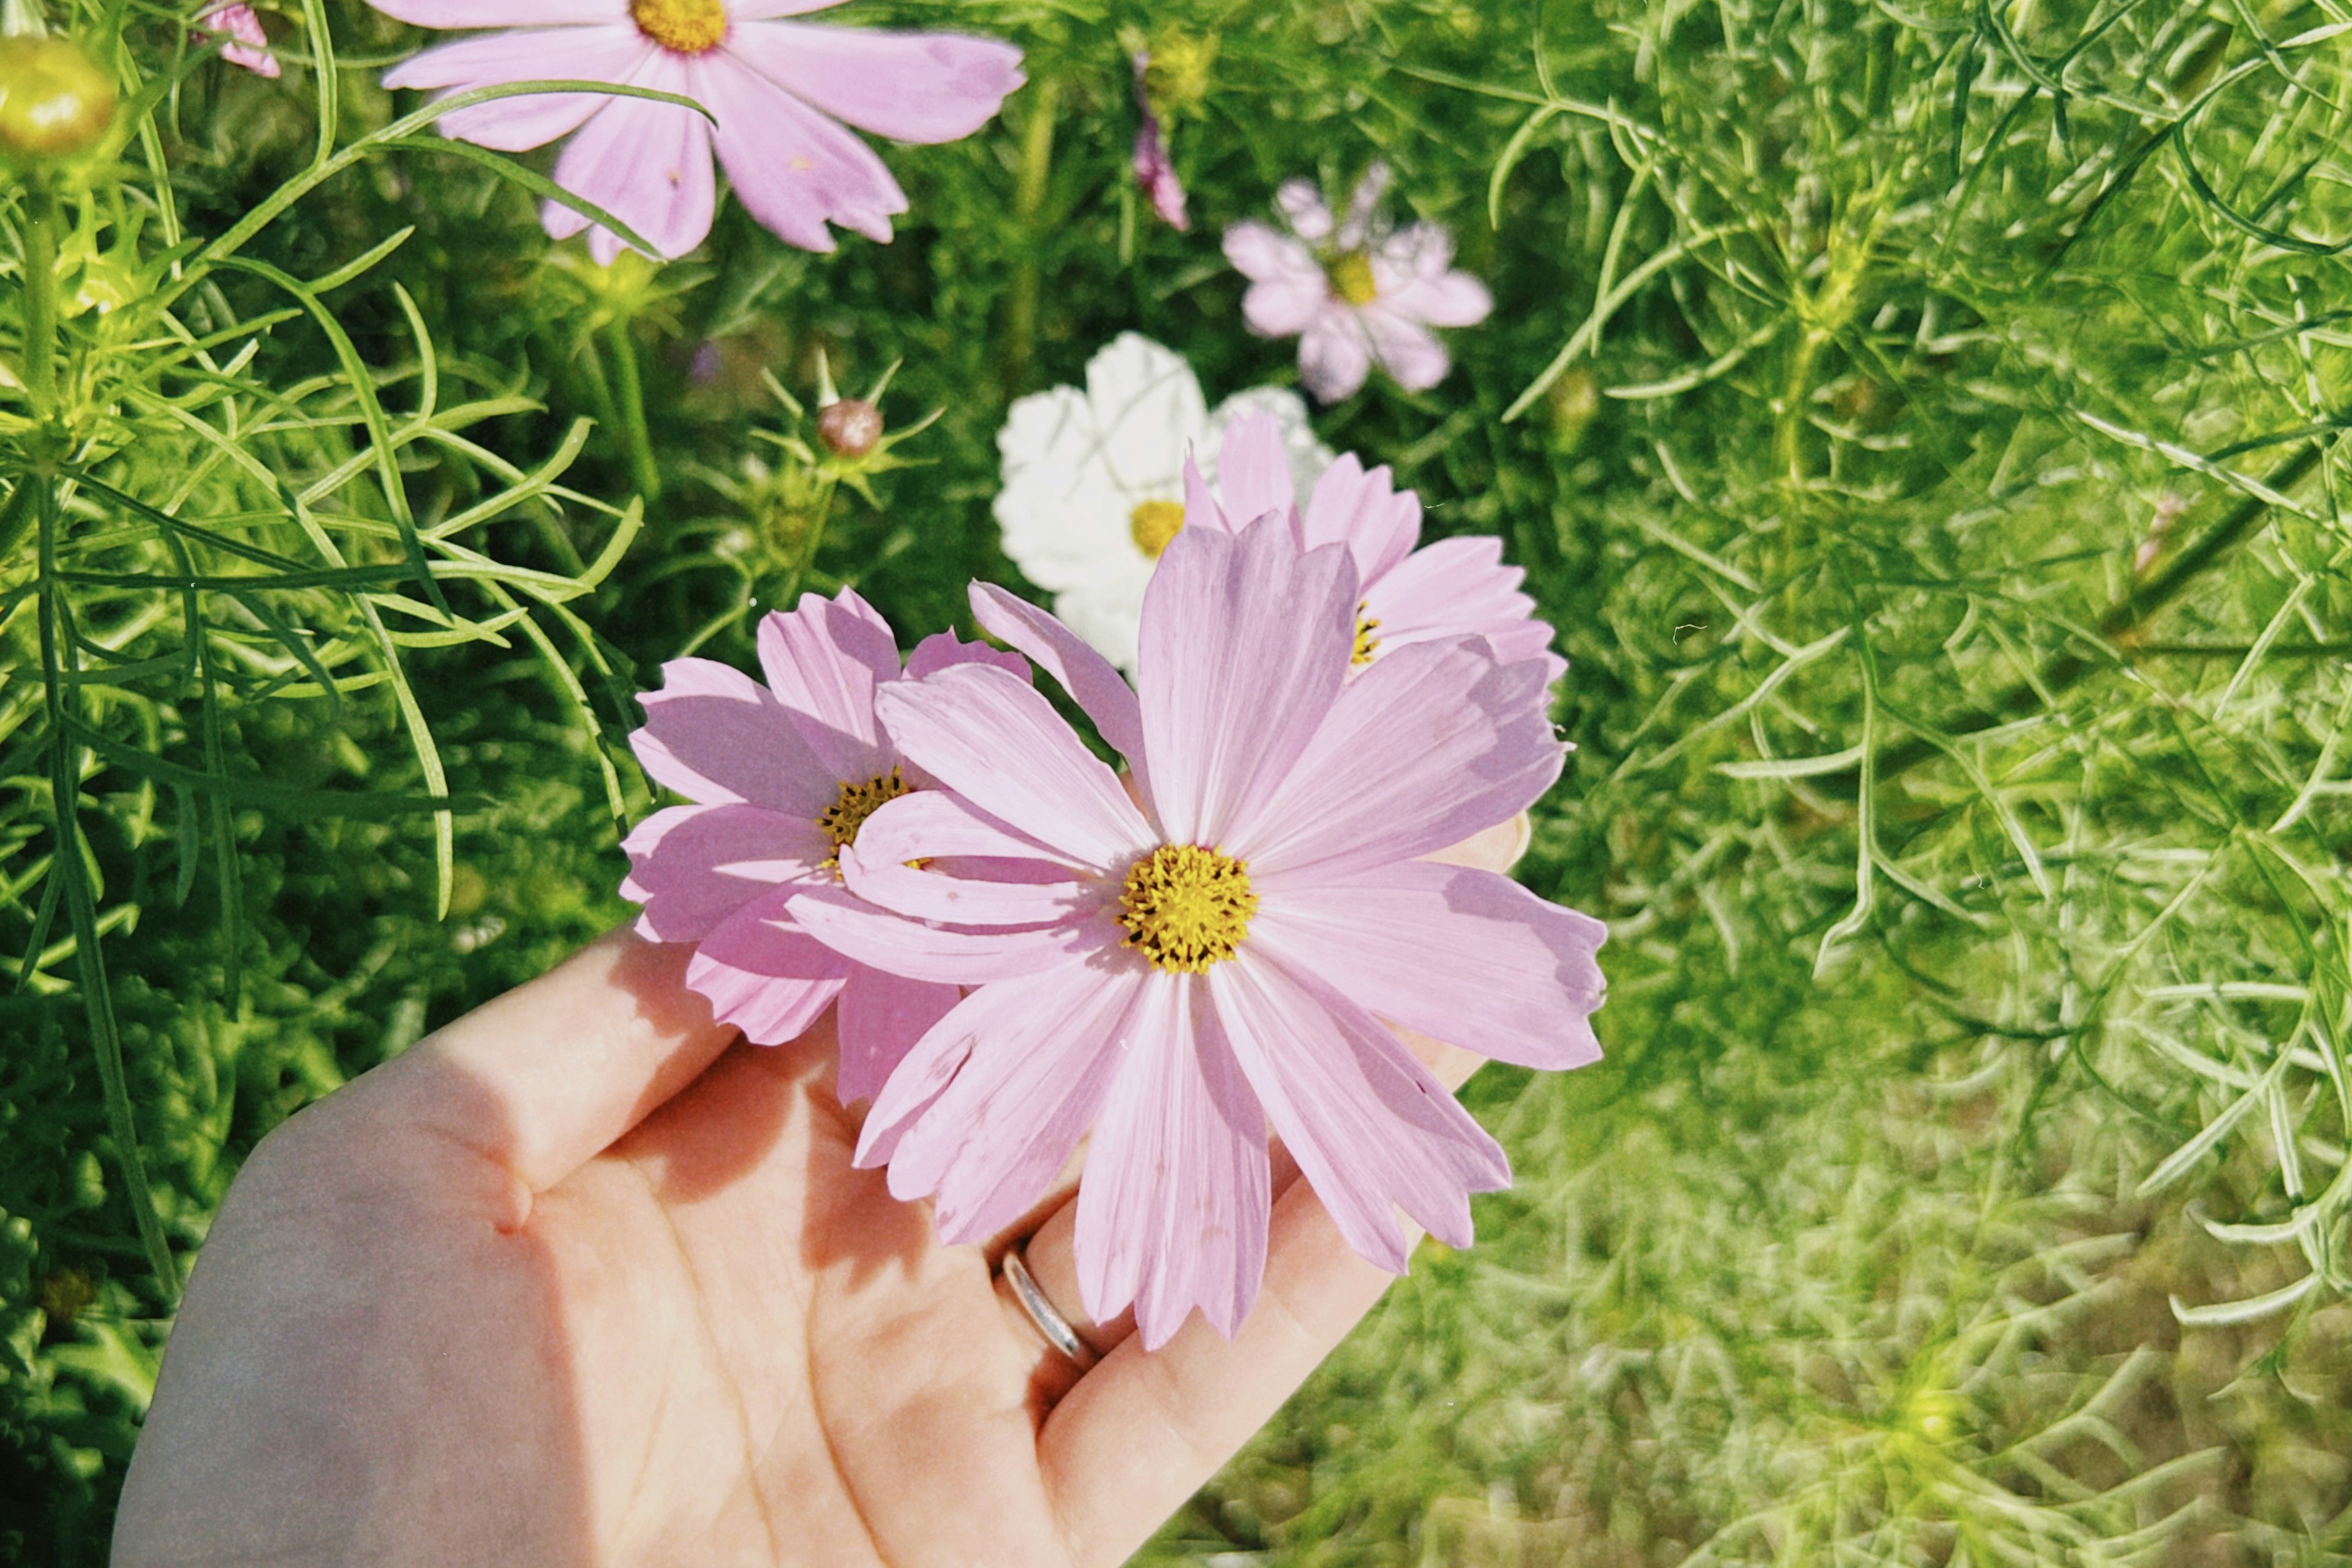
column 550, row 1074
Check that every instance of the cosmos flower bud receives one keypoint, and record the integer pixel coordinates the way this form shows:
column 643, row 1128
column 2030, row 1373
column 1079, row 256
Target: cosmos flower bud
column 851, row 428
column 55, row 102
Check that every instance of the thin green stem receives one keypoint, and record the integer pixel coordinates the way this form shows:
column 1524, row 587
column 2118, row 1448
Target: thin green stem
column 41, row 300
column 823, row 509
column 1028, row 202
column 644, row 472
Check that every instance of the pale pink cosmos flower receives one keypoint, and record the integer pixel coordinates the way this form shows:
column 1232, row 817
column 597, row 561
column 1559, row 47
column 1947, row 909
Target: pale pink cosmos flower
column 781, row 777
column 1222, row 950
column 776, row 91
column 1354, row 292
column 1453, row 588
column 249, row 45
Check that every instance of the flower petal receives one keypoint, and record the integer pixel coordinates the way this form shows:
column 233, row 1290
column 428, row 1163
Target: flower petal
column 1000, row 744
column 912, row 86
column 502, row 13
column 1458, row 587
column 858, row 930
column 716, row 736
column 1460, row 955
column 1041, row 1055
column 693, row 866
column 1413, row 359
column 646, row 164
column 1334, row 352
column 614, row 53
column 1412, row 272
column 1253, row 471
column 1245, row 644
column 1378, row 524
column 1367, row 1125
column 941, row 649
column 793, row 170
column 763, row 975
column 1085, row 675
column 767, row 10
column 933, row 825
column 1173, row 1206
column 824, row 660
column 880, row 1019
column 1429, row 746
column 1307, row 458
column 1303, row 207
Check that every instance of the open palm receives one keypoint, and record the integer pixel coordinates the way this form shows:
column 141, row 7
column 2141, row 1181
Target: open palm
column 584, row 1278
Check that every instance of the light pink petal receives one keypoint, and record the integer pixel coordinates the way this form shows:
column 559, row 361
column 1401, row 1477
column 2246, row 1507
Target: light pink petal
column 1172, row 1209
column 1367, row 1125
column 1302, row 205
column 614, row 53
column 1000, row 744
column 763, row 974
column 941, row 649
column 1429, row 746
column 693, row 866
column 1363, row 207
column 249, row 45
column 1415, row 360
column 1413, row 272
column 646, row 164
column 1284, row 307
column 1261, row 252
column 859, row 932
column 794, row 170
column 1460, row 955
column 1099, row 689
column 1246, row 646
column 767, row 10
column 503, row 13
column 1378, row 523
column 912, row 86
column 880, row 873
column 881, row 1018
column 1254, row 469
column 985, row 1142
column 824, row 660
column 1202, row 509
column 1288, row 285
column 1334, row 352
column 1457, row 586
column 715, row 735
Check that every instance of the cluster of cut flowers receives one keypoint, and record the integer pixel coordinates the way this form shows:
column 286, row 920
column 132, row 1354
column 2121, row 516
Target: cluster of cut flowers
column 1026, row 949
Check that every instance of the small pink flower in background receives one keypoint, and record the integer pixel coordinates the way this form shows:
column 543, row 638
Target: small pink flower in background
column 782, row 777
column 1453, row 588
column 1354, row 293
column 1155, row 171
column 1222, row 950
column 249, row 45
column 777, row 92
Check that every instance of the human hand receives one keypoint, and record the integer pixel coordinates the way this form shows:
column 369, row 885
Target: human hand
column 584, row 1278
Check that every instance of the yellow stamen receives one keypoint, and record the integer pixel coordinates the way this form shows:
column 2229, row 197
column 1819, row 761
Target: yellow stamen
column 1366, row 644
column 1186, row 908
column 1352, row 276
column 681, row 26
column 1153, row 524
column 845, row 817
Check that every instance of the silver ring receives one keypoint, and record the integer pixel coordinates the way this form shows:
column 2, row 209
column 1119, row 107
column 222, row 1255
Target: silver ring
column 1055, row 1328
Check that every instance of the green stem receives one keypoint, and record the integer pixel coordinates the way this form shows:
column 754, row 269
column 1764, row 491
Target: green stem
column 41, row 300
column 790, row 593
column 642, row 470
column 1028, row 202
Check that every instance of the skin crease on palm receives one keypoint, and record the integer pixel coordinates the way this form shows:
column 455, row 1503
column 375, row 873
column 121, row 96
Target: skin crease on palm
column 582, row 1278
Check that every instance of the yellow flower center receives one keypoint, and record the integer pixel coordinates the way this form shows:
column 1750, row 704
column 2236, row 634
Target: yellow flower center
column 1351, row 277
column 681, row 26
column 1366, row 644
column 1186, row 908
column 846, row 815
column 1154, row 523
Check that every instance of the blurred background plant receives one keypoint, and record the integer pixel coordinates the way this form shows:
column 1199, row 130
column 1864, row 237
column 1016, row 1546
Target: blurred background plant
column 1922, row 422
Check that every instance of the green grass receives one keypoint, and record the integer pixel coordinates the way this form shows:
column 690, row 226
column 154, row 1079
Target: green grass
column 1923, row 425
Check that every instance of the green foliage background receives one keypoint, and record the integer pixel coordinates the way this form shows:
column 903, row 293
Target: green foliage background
column 1921, row 422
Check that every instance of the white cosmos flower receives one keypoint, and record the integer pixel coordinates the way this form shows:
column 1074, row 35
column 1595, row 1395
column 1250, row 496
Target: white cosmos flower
column 1093, row 478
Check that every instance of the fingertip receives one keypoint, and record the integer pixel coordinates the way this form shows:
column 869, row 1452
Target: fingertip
column 1497, row 848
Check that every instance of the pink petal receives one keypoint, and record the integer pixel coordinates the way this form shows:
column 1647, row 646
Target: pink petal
column 1172, row 1210
column 941, row 649
column 1413, row 274
column 1460, row 955
column 503, row 13
column 1260, row 251
column 1303, row 207
column 986, row 1144
column 823, row 661
column 912, row 86
column 859, row 932
column 716, row 736
column 1429, row 746
column 1099, row 689
column 1334, row 352
column 1457, row 586
column 933, row 825
column 249, row 45
column 1363, row 207
column 794, row 170
column 646, row 164
column 1254, row 470
column 616, row 55
column 1378, row 523
column 1000, row 744
column 1245, row 644
column 1367, row 1125
column 1413, row 359
column 766, row 10
column 693, row 866
column 764, row 976
column 880, row 1019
